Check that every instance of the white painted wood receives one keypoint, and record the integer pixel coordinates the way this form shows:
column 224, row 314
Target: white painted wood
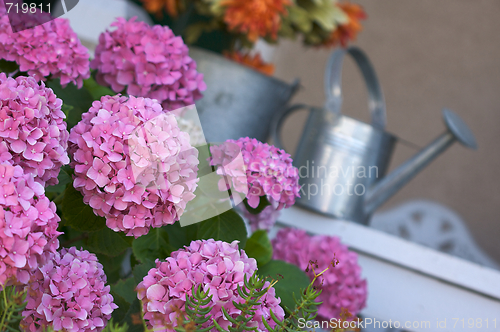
column 409, row 282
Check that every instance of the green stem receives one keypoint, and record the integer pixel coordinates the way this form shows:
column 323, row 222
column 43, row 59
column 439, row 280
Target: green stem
column 8, row 317
column 304, row 302
column 4, row 315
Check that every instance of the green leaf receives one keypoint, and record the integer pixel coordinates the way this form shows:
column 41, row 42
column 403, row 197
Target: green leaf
column 300, row 18
column 340, row 16
column 153, row 245
column 64, row 178
column 108, row 242
column 77, row 101
column 66, row 109
column 263, row 202
column 133, row 318
column 291, row 280
column 325, row 13
column 96, row 90
column 193, row 32
column 141, row 270
column 112, row 266
column 123, row 307
column 228, row 226
column 79, row 215
column 286, row 29
column 259, row 247
column 8, row 66
column 126, row 289
column 179, row 237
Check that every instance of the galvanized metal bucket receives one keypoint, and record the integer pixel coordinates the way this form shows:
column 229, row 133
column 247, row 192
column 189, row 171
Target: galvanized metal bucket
column 239, row 101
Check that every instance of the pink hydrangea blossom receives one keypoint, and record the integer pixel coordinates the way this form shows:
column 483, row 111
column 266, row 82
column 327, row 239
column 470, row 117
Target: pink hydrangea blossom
column 132, row 163
column 68, row 293
column 47, row 50
column 28, row 225
column 147, row 61
column 219, row 267
column 263, row 220
column 342, row 285
column 33, row 132
column 268, row 171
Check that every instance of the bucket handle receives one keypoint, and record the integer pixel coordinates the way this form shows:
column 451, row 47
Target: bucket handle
column 333, row 89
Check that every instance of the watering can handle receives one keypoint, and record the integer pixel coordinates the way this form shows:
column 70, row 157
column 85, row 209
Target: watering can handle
column 333, row 78
column 279, row 119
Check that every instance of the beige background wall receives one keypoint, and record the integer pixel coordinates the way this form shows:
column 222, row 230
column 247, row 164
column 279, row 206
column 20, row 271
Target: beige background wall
column 428, row 55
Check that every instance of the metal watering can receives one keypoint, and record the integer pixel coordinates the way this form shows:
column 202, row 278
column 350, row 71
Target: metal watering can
column 342, row 162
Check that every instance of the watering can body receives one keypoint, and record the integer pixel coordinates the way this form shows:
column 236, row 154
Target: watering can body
column 343, row 162
column 339, row 159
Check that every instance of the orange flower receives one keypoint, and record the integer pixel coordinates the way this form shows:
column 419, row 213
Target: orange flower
column 256, row 18
column 349, row 31
column 156, row 6
column 254, row 62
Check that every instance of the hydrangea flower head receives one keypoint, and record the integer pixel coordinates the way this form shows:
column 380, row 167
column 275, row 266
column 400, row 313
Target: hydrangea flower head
column 269, row 171
column 219, row 267
column 28, row 225
column 196, row 136
column 342, row 286
column 132, row 163
column 68, row 293
column 33, row 132
column 50, row 49
column 149, row 61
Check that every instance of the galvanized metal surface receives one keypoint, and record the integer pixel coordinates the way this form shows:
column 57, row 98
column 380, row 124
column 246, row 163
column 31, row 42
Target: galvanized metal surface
column 239, row 101
column 388, row 186
column 343, row 162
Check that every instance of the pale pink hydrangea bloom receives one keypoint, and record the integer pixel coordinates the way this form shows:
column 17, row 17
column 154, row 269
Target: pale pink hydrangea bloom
column 132, row 164
column 268, row 171
column 147, row 61
column 33, row 132
column 263, row 220
column 68, row 293
column 196, row 136
column 342, row 286
column 220, row 267
column 28, row 225
column 50, row 49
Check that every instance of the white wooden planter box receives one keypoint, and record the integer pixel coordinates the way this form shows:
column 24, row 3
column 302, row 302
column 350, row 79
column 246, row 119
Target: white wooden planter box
column 412, row 284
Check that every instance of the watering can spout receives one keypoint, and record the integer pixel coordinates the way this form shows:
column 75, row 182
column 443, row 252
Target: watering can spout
column 386, row 187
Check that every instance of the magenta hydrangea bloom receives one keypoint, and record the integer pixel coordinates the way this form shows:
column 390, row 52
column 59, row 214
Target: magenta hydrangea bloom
column 219, row 267
column 68, row 293
column 132, row 164
column 51, row 49
column 269, row 171
column 33, row 132
column 342, row 285
column 149, row 61
column 28, row 225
